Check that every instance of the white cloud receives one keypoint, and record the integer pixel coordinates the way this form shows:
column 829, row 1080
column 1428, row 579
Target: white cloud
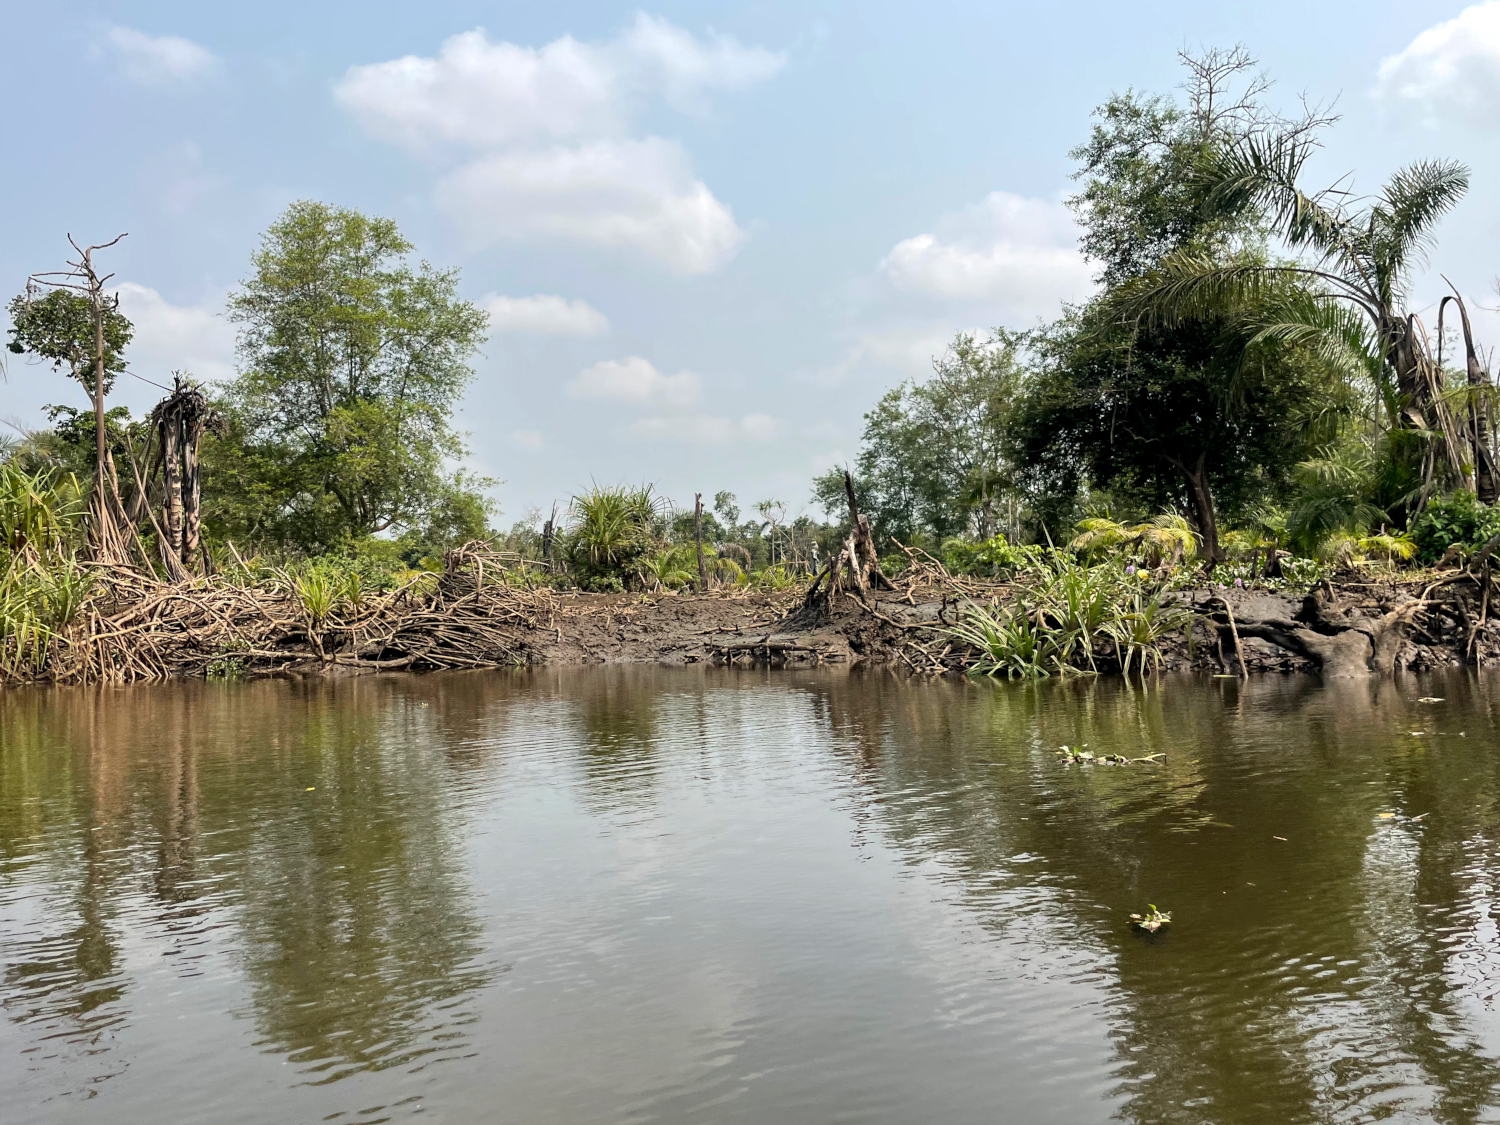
column 635, row 380
column 640, row 195
column 553, row 130
column 544, row 314
column 1018, row 256
column 527, row 439
column 1452, row 66
column 705, row 429
column 192, row 338
column 485, row 94
column 159, row 60
column 907, row 352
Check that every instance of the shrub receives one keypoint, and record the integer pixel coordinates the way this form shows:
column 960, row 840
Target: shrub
column 611, row 528
column 989, row 557
column 1458, row 519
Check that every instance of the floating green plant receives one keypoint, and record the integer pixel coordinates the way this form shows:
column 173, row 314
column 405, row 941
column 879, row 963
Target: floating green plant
column 1080, row 756
column 1152, row 920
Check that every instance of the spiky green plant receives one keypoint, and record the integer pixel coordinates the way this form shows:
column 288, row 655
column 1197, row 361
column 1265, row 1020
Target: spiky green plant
column 670, row 568
column 39, row 511
column 1010, row 641
column 777, row 577
column 1140, row 627
column 1079, row 602
column 610, row 528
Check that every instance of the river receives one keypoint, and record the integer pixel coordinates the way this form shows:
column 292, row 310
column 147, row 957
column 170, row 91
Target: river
column 693, row 895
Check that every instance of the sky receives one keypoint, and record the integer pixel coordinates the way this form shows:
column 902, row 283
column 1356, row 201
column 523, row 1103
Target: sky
column 709, row 236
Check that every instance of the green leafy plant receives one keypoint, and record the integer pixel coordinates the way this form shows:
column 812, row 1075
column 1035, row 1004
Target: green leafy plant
column 670, row 568
column 1457, row 520
column 990, row 557
column 1010, row 642
column 1138, row 629
column 611, row 528
column 1152, row 920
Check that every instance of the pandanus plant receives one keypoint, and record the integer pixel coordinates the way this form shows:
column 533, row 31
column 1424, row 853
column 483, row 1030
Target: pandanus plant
column 1345, row 296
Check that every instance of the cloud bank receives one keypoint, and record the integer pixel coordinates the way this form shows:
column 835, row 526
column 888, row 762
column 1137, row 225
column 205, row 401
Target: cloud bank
column 1451, row 68
column 1016, row 255
column 635, row 380
column 168, row 337
column 550, row 140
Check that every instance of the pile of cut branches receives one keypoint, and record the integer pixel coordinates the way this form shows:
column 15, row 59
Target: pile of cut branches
column 131, row 626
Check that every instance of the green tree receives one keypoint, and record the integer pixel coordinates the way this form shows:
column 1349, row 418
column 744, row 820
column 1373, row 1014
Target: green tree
column 352, row 361
column 1183, row 412
column 1356, row 267
column 1187, row 418
column 58, row 328
column 933, row 457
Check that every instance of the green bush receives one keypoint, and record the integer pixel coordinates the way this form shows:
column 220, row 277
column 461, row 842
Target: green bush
column 989, row 557
column 1457, row 519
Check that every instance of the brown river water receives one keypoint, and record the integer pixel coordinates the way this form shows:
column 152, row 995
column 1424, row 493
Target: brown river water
column 632, row 895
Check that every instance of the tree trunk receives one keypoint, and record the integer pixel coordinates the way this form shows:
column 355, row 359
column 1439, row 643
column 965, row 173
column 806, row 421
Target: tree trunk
column 549, row 538
column 863, row 557
column 1486, row 486
column 1201, row 497
column 192, row 490
column 103, row 512
column 171, row 462
column 698, row 540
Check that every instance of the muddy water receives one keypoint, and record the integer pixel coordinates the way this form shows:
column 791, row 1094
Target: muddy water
column 637, row 895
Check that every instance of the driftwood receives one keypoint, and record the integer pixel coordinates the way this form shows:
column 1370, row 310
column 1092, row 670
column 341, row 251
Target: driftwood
column 1340, row 643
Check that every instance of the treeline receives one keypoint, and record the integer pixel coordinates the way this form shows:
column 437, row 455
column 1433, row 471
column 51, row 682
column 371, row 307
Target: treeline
column 1249, row 366
column 1247, row 382
column 334, row 441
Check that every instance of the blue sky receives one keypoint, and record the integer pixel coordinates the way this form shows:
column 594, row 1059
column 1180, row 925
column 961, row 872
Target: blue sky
column 710, row 235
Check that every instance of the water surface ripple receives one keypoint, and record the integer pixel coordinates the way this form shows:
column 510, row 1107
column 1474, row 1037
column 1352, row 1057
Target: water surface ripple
column 691, row 895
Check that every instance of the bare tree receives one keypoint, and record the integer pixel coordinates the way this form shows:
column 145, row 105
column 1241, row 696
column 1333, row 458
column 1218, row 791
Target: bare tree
column 82, row 278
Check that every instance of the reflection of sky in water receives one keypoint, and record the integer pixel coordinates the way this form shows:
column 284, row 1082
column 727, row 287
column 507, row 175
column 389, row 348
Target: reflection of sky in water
column 642, row 895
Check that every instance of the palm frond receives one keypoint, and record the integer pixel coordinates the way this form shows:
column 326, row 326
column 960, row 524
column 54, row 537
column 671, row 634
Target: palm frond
column 1414, row 199
column 1262, row 172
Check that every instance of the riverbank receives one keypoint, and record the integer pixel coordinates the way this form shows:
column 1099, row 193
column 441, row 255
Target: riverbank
column 477, row 614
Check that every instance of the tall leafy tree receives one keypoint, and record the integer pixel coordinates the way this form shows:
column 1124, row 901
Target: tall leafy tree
column 352, row 360
column 1177, row 413
column 933, row 456
column 1356, row 266
column 1183, row 418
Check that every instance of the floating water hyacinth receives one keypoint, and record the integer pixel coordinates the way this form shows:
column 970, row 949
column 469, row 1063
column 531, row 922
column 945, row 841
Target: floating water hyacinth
column 1152, row 920
column 1083, row 757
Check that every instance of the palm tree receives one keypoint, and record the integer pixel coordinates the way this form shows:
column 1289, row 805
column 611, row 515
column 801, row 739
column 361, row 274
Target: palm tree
column 1353, row 280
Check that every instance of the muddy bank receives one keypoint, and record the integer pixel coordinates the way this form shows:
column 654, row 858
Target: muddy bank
column 1349, row 628
column 472, row 616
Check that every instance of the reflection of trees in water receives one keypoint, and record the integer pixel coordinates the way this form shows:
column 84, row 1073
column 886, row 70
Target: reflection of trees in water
column 61, row 948
column 154, row 808
column 177, row 808
column 610, row 720
column 359, row 932
column 1212, row 1025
